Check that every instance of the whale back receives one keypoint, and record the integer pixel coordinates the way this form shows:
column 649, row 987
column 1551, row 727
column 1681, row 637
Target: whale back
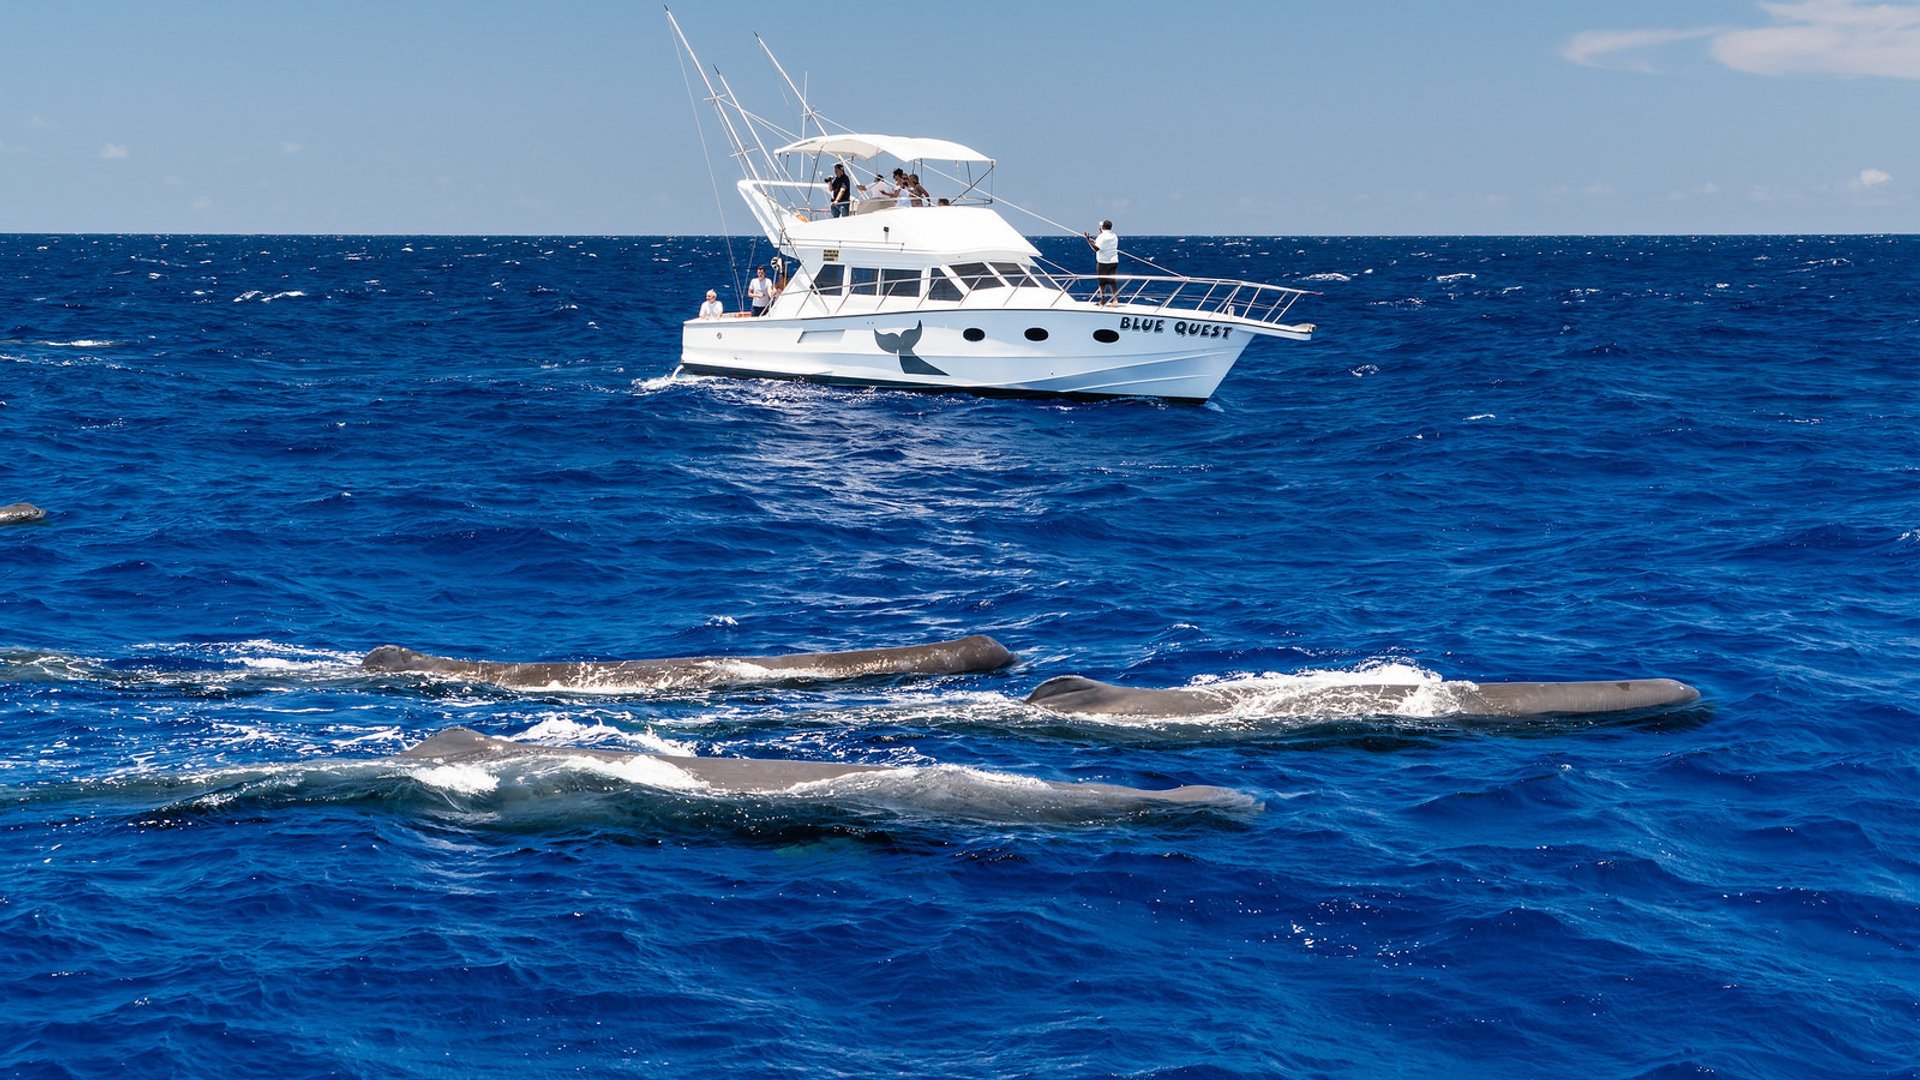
column 757, row 776
column 1076, row 694
column 974, row 653
column 1541, row 698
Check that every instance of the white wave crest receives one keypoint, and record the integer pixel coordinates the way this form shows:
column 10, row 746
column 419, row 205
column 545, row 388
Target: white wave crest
column 1328, row 694
column 556, row 728
column 658, row 383
column 463, row 779
column 643, row 771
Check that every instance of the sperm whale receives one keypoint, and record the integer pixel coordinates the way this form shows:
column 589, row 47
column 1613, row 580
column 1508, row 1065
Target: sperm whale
column 974, row 653
column 751, row 776
column 20, row 513
column 1075, row 694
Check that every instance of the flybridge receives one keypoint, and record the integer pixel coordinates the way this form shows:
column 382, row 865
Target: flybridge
column 790, row 169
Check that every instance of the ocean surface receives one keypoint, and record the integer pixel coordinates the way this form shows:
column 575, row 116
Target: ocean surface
column 1500, row 459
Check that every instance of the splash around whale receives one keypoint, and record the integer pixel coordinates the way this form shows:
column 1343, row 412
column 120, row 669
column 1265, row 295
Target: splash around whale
column 974, row 653
column 1076, row 694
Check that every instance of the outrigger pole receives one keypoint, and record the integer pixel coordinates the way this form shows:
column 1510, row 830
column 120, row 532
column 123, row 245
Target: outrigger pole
column 806, row 107
column 720, row 103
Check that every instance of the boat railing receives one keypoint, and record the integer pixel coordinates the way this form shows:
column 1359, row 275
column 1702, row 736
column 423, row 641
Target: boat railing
column 804, row 201
column 1148, row 295
column 1134, row 295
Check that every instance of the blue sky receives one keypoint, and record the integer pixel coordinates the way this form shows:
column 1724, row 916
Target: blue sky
column 1307, row 117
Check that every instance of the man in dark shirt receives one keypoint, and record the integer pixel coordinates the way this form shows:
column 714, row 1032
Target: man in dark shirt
column 840, row 191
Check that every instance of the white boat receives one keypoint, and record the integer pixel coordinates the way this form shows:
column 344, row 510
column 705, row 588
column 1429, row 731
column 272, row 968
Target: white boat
column 941, row 293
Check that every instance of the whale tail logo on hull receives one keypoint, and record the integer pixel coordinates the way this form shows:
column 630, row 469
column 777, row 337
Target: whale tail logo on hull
column 901, row 345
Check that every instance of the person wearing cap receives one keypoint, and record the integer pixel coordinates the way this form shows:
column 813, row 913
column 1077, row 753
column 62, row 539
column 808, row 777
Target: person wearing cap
column 712, row 309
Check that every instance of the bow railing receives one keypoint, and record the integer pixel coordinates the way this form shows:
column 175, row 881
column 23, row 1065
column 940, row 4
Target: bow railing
column 1137, row 294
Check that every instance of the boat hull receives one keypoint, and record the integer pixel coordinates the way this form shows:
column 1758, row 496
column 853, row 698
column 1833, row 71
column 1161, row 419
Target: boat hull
column 1076, row 353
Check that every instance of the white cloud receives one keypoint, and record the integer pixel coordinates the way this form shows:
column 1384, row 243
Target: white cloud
column 289, row 147
column 1621, row 48
column 1808, row 37
column 1828, row 37
column 115, row 152
column 1873, row 178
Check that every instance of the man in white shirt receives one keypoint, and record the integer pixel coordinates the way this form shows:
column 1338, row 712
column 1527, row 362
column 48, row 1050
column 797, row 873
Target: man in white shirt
column 760, row 291
column 894, row 192
column 1106, row 261
column 712, row 309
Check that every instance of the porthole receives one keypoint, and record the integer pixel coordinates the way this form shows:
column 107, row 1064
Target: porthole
column 1036, row 333
column 1106, row 337
column 974, row 333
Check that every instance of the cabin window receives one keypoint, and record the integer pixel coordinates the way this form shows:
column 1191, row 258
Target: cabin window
column 863, row 280
column 1013, row 273
column 1105, row 336
column 1036, row 333
column 829, row 278
column 976, row 276
column 943, row 287
column 974, row 333
column 899, row 283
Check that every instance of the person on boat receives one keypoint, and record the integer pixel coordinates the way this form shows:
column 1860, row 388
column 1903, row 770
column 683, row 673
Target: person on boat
column 920, row 196
column 879, row 189
column 760, row 291
column 713, row 308
column 902, row 189
column 840, row 191
column 1106, row 261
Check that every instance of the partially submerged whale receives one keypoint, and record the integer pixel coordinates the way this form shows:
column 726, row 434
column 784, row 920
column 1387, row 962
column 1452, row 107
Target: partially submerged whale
column 974, row 653
column 761, row 776
column 20, row 513
column 1074, row 694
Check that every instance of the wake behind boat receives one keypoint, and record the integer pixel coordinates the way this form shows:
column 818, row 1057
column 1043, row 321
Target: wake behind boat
column 913, row 289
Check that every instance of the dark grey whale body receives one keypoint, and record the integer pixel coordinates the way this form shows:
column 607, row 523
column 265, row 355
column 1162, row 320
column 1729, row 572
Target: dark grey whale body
column 20, row 513
column 1074, row 694
column 750, row 776
column 975, row 653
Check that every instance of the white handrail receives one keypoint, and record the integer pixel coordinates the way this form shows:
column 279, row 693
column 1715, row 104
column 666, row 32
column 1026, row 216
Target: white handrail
column 1139, row 295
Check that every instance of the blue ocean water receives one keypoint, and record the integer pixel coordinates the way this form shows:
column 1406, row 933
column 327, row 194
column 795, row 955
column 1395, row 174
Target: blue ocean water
column 1502, row 459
